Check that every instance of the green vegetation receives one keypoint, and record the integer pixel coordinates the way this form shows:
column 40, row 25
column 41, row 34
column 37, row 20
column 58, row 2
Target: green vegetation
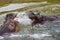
column 24, row 9
column 3, row 2
column 46, row 10
column 6, row 2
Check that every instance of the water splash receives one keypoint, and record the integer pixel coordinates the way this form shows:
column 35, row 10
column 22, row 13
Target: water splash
column 38, row 36
column 23, row 18
column 40, row 32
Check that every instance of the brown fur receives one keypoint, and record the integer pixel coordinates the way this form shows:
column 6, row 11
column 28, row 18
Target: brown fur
column 9, row 25
column 13, row 26
column 12, row 16
column 37, row 18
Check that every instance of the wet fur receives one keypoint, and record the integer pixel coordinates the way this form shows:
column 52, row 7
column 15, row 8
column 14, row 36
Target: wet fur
column 9, row 25
column 37, row 18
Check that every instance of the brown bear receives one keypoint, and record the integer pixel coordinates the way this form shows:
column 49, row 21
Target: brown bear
column 9, row 25
column 37, row 18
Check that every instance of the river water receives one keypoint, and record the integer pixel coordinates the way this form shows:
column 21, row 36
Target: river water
column 46, row 31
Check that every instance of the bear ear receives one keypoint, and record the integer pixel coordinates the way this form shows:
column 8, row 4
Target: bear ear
column 6, row 16
column 9, row 15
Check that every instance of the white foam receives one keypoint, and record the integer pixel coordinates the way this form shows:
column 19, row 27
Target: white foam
column 1, row 37
column 30, row 35
column 39, row 35
column 23, row 18
column 12, row 35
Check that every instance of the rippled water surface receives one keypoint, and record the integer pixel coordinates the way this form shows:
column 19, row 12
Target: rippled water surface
column 46, row 31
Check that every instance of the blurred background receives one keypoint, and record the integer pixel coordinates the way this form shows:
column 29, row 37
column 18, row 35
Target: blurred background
column 3, row 2
column 47, row 31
